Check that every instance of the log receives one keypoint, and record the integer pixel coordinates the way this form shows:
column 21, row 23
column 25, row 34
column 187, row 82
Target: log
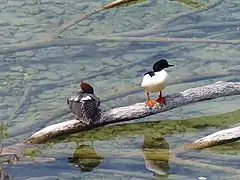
column 220, row 137
column 139, row 110
column 217, row 138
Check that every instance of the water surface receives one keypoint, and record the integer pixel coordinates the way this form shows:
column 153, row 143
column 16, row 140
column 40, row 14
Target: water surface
column 36, row 83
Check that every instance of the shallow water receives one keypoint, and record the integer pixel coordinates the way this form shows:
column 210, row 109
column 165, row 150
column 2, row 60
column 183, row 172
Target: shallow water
column 36, row 83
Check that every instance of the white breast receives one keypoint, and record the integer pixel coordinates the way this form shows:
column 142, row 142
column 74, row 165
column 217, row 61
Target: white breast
column 155, row 83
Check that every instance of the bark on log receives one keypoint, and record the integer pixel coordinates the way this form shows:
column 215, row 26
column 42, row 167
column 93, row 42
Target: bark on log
column 139, row 110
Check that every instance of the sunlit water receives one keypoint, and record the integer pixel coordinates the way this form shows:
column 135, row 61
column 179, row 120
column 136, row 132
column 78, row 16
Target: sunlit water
column 47, row 76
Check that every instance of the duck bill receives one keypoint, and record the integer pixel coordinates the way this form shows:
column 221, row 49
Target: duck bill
column 170, row 65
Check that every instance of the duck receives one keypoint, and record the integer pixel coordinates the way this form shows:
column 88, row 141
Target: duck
column 155, row 81
column 85, row 105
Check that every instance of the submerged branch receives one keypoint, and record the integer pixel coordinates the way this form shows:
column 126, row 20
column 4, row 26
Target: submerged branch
column 163, row 28
column 139, row 110
column 188, row 162
column 114, row 4
column 157, row 30
column 77, row 41
column 70, row 24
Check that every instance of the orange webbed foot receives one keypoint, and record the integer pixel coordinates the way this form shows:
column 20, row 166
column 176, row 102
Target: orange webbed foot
column 150, row 103
column 161, row 100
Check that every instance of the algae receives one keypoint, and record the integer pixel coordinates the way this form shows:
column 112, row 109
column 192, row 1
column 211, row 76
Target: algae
column 161, row 127
column 85, row 157
column 3, row 130
column 190, row 3
column 31, row 152
column 230, row 148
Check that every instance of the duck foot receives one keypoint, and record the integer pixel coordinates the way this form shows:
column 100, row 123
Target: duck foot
column 161, row 100
column 150, row 103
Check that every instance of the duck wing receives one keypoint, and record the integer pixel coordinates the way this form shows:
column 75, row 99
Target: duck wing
column 90, row 108
column 75, row 105
column 85, row 107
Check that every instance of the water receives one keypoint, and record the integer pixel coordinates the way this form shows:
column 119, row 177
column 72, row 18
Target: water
column 36, row 83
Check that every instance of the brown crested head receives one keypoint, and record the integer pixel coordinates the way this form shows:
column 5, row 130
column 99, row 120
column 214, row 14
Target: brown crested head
column 87, row 88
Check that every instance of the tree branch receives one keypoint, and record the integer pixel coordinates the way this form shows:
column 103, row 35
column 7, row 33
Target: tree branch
column 227, row 135
column 139, row 110
column 217, row 138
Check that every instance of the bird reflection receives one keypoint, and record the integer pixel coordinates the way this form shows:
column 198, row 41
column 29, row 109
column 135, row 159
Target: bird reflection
column 85, row 157
column 155, row 148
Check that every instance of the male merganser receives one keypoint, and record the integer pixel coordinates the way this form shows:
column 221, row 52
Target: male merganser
column 155, row 81
column 85, row 105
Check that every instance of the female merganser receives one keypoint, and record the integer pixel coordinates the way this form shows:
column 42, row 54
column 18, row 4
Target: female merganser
column 155, row 81
column 85, row 105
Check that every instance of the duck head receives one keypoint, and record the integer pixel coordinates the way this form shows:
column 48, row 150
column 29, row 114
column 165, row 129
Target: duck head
column 86, row 88
column 160, row 65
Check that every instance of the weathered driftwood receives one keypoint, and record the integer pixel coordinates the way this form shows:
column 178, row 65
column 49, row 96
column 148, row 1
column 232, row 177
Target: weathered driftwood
column 220, row 137
column 217, row 138
column 139, row 110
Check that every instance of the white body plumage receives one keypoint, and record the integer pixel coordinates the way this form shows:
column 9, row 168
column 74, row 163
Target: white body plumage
column 155, row 83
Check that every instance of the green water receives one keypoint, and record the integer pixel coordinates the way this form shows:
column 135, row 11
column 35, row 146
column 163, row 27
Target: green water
column 36, row 83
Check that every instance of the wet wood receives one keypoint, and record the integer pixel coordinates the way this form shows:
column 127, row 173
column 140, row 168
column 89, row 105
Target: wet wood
column 217, row 138
column 139, row 110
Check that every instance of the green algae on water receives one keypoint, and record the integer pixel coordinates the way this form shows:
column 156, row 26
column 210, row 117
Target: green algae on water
column 31, row 152
column 162, row 127
column 3, row 130
column 190, row 3
column 85, row 157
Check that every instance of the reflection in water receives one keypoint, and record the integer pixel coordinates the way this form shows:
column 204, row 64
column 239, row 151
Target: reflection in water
column 153, row 147
column 85, row 157
column 4, row 175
